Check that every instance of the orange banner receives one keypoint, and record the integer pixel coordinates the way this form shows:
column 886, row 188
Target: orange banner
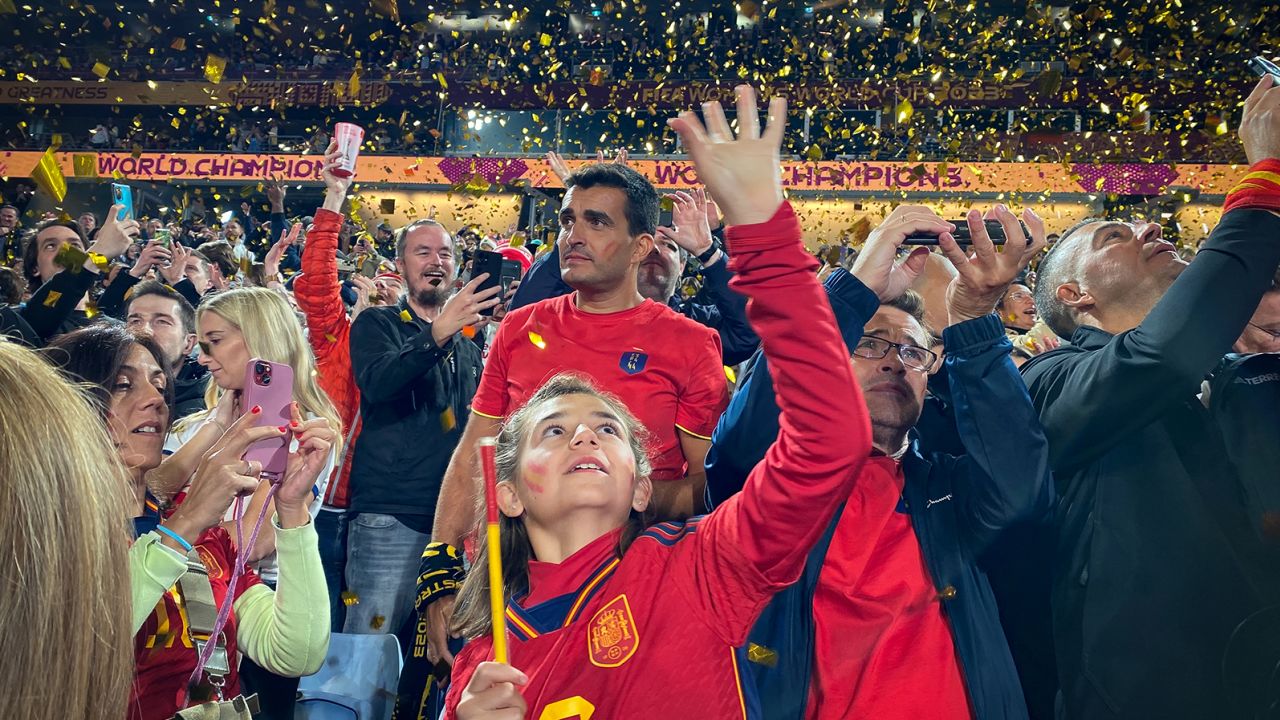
column 484, row 174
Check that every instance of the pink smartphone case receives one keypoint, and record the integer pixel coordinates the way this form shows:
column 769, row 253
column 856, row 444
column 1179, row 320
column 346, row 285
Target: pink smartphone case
column 270, row 386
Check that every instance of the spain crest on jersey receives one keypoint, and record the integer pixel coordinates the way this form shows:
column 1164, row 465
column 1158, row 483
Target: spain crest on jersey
column 611, row 635
column 211, row 563
column 633, row 362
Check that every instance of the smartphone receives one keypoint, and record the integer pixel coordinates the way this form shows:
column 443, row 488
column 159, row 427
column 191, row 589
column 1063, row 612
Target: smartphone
column 994, row 230
column 1263, row 66
column 269, row 385
column 164, row 238
column 502, row 272
column 122, row 194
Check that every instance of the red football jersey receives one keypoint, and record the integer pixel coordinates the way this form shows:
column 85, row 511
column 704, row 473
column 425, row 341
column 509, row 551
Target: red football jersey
column 664, row 366
column 654, row 633
column 163, row 651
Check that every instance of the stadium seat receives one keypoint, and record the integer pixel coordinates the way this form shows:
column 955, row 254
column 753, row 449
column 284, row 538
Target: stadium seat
column 357, row 681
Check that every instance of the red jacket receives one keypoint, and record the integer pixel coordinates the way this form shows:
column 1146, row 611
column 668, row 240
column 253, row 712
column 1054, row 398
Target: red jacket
column 318, row 292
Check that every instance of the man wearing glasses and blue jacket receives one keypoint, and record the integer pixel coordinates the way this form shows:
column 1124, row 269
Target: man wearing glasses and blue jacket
column 894, row 616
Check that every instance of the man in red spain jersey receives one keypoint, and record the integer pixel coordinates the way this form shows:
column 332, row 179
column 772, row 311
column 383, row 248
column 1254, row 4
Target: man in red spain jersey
column 666, row 367
column 611, row 617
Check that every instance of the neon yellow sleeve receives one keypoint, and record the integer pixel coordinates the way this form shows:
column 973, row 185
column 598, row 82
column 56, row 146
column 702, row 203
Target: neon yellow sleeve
column 287, row 631
column 153, row 569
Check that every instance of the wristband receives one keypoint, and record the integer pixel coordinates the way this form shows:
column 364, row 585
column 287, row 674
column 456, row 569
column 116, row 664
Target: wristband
column 440, row 574
column 1260, row 188
column 176, row 537
column 710, row 253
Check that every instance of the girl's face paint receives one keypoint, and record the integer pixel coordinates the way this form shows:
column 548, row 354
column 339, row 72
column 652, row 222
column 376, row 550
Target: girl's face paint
column 576, row 457
column 534, row 472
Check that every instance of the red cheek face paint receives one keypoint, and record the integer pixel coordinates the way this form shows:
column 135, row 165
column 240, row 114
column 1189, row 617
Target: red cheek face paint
column 534, row 472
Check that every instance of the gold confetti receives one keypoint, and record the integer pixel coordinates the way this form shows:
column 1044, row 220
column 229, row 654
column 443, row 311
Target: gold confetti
column 349, row 598
column 101, row 70
column 330, row 337
column 48, row 176
column 537, row 340
column 731, row 375
column 904, row 111
column 52, row 299
column 447, row 420
column 377, row 622
column 405, row 316
column 213, row 67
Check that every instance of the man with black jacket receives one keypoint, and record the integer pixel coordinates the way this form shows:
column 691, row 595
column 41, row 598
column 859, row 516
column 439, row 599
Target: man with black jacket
column 894, row 616
column 1157, row 565
column 417, row 374
column 58, row 261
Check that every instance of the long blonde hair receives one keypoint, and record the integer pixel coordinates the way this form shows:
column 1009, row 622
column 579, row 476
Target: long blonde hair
column 67, row 646
column 271, row 332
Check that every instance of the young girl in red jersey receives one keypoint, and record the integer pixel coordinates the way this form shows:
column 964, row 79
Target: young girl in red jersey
column 607, row 617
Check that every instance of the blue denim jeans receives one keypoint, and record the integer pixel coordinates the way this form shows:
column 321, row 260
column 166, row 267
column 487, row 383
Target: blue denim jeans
column 331, row 526
column 383, row 556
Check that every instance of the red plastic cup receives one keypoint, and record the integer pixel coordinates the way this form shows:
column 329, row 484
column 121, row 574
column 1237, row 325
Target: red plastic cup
column 349, row 137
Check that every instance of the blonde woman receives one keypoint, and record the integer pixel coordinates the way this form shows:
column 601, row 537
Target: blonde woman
column 64, row 498
column 233, row 327
column 286, row 630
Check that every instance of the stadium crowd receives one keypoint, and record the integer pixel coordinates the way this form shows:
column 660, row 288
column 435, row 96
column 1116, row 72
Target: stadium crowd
column 998, row 478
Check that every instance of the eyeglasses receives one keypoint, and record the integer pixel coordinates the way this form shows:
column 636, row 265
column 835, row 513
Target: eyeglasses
column 1275, row 334
column 912, row 356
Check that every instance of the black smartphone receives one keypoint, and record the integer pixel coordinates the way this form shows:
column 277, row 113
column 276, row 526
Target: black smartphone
column 1263, row 66
column 994, row 230
column 502, row 273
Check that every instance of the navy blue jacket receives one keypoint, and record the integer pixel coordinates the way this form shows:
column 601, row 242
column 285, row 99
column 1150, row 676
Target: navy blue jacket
column 727, row 313
column 958, row 505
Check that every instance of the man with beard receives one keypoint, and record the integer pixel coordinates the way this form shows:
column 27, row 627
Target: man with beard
column 416, row 373
column 1166, row 556
column 894, row 616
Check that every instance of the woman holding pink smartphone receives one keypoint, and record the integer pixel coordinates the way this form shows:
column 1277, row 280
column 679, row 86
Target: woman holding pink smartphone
column 182, row 567
column 253, row 344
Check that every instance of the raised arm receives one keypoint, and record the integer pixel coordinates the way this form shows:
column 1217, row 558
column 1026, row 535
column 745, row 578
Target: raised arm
column 756, row 543
column 1090, row 401
column 318, row 290
column 750, row 424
